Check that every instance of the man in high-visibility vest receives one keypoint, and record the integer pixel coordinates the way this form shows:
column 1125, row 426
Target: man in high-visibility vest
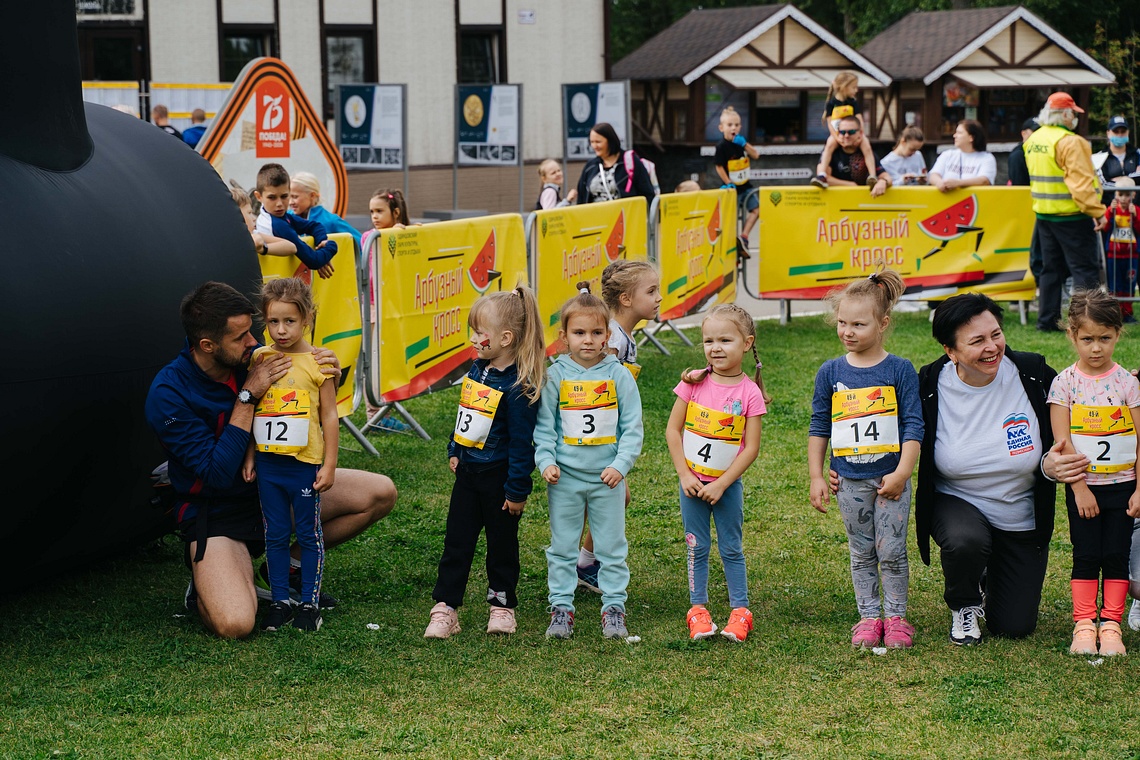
column 1066, row 195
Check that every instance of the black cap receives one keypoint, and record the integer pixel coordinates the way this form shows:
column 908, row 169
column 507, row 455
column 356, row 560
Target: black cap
column 1031, row 125
column 1117, row 122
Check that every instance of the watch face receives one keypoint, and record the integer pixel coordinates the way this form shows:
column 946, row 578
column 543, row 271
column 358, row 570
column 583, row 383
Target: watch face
column 245, row 396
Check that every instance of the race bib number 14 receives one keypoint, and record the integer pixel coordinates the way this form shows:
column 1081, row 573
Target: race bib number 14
column 864, row 421
column 589, row 412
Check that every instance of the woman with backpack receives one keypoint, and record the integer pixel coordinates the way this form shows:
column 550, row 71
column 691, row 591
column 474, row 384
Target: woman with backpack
column 613, row 173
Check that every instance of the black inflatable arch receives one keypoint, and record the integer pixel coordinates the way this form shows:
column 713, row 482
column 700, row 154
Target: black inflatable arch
column 109, row 221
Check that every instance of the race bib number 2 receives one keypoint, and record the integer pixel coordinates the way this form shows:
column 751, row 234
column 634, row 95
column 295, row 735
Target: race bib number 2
column 477, row 405
column 588, row 410
column 711, row 439
column 864, row 421
column 1106, row 435
column 281, row 421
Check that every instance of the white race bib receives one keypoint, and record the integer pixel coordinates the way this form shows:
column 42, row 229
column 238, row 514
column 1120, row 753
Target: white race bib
column 864, row 421
column 477, row 406
column 281, row 421
column 711, row 439
column 588, row 410
column 1106, row 435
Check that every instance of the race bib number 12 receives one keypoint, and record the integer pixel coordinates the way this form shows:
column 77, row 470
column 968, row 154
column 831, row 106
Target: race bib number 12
column 1106, row 435
column 864, row 421
column 589, row 412
column 281, row 421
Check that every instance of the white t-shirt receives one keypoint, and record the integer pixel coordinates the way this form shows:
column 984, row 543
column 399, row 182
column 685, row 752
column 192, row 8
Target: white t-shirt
column 988, row 446
column 954, row 164
column 897, row 165
column 624, row 345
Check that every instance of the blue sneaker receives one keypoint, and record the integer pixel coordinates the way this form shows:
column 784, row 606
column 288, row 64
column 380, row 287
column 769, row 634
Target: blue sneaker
column 588, row 577
column 388, row 424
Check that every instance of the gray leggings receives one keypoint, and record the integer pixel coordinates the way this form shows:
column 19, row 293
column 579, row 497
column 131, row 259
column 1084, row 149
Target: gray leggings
column 876, row 534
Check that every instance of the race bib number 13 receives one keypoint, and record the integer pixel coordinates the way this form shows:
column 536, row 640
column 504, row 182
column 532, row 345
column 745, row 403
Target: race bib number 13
column 281, row 421
column 1106, row 435
column 864, row 421
column 589, row 412
column 477, row 405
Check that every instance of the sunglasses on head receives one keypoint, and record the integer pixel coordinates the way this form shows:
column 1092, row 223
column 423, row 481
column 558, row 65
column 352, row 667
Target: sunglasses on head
column 848, row 131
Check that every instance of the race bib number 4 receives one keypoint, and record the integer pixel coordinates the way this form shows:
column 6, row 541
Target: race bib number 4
column 589, row 412
column 711, row 439
column 864, row 421
column 281, row 421
column 477, row 405
column 1106, row 435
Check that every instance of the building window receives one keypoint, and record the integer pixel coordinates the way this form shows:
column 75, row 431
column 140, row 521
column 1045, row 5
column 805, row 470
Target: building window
column 240, row 46
column 779, row 116
column 349, row 59
column 110, row 54
column 480, row 57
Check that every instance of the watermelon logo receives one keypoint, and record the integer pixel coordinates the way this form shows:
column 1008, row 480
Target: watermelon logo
column 482, row 272
column 392, row 245
column 714, row 225
column 1116, row 417
column 304, row 274
column 615, row 246
column 952, row 223
column 775, row 196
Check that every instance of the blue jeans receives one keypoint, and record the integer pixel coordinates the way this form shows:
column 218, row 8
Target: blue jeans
column 728, row 514
column 283, row 482
column 568, row 500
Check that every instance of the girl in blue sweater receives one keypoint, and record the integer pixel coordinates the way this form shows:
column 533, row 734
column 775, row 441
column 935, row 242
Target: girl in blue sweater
column 492, row 455
column 587, row 438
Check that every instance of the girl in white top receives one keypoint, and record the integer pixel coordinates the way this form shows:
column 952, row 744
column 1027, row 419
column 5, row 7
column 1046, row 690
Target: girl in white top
column 905, row 163
column 1092, row 409
column 632, row 291
column 968, row 162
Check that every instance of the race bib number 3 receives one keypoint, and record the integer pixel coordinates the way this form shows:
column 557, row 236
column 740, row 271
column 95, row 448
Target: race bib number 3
column 864, row 421
column 1106, row 435
column 477, row 405
column 589, row 412
column 281, row 421
column 711, row 439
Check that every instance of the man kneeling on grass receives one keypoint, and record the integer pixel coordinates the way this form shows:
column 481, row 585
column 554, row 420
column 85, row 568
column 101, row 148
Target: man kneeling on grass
column 201, row 407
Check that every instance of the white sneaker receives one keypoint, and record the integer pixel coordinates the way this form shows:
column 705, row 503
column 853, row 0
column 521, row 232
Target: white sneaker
column 444, row 621
column 964, row 629
column 1134, row 615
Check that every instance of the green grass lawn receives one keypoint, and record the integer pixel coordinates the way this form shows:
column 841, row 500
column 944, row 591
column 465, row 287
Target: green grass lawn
column 103, row 664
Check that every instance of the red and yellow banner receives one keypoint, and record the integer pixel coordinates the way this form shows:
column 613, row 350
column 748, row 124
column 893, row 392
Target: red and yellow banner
column 429, row 277
column 574, row 244
column 338, row 308
column 696, row 250
column 971, row 239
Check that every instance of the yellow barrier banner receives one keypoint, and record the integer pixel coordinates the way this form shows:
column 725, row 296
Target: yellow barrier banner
column 696, row 250
column 429, row 277
column 575, row 243
column 338, row 308
column 966, row 240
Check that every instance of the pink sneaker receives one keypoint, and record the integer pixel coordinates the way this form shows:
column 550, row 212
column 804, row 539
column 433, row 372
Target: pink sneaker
column 868, row 633
column 444, row 621
column 501, row 621
column 897, row 633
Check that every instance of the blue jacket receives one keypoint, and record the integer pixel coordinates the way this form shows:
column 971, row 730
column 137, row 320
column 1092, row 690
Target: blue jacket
column 511, row 438
column 190, row 414
column 550, row 448
column 331, row 222
column 193, row 135
column 290, row 227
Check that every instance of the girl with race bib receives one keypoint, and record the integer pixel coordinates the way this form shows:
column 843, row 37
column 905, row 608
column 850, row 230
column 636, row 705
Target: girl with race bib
column 714, row 436
column 632, row 291
column 492, row 455
column 1092, row 408
column 293, row 453
column 587, row 438
column 866, row 402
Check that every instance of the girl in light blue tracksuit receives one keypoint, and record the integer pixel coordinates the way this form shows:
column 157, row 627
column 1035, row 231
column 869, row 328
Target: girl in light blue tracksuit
column 586, row 440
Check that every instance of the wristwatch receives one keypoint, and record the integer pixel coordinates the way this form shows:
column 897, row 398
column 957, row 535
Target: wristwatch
column 245, row 396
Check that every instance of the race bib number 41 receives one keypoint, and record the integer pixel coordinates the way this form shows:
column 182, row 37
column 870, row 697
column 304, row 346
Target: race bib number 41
column 477, row 405
column 711, row 439
column 864, row 421
column 281, row 421
column 1106, row 435
column 589, row 412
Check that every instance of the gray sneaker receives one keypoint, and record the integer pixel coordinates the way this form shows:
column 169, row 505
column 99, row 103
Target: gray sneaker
column 613, row 623
column 561, row 623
